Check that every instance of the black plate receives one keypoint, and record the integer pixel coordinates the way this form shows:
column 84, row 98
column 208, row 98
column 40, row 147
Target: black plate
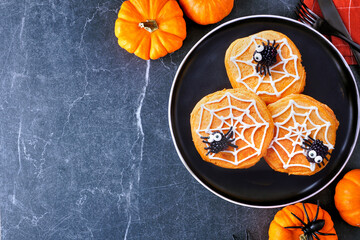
column 329, row 80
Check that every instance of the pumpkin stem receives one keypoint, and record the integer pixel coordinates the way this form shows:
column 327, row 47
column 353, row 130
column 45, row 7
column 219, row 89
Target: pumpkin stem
column 302, row 237
column 149, row 25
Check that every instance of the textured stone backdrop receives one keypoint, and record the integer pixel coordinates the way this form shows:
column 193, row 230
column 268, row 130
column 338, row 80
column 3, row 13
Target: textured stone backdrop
column 85, row 147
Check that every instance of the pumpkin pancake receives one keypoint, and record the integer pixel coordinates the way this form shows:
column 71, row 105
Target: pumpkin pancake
column 231, row 128
column 267, row 63
column 305, row 133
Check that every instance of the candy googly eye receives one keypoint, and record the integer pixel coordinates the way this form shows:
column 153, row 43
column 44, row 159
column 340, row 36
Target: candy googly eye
column 257, row 57
column 312, row 154
column 217, row 137
column 211, row 138
column 318, row 159
column 259, row 48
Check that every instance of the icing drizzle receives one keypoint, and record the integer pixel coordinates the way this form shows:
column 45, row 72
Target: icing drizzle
column 302, row 127
column 255, row 40
column 224, row 123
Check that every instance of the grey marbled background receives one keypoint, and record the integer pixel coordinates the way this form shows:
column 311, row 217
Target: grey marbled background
column 85, row 148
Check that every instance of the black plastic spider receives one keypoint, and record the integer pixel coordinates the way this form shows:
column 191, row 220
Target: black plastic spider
column 219, row 141
column 311, row 229
column 265, row 56
column 316, row 151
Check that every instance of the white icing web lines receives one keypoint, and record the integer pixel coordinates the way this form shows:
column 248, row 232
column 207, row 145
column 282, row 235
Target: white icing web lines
column 278, row 69
column 302, row 127
column 244, row 132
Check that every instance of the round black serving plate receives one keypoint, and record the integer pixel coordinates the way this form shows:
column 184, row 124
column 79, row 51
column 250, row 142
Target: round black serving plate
column 328, row 79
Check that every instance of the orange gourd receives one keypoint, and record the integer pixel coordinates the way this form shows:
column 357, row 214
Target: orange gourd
column 347, row 197
column 207, row 11
column 289, row 223
column 150, row 28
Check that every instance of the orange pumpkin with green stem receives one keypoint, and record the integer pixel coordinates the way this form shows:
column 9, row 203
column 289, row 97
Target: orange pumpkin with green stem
column 150, row 28
column 347, row 197
column 302, row 222
column 207, row 11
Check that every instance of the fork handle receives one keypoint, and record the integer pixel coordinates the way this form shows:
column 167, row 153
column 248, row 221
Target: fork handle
column 353, row 44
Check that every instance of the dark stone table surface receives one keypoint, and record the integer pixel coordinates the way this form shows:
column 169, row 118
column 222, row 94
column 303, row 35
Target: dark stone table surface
column 85, row 147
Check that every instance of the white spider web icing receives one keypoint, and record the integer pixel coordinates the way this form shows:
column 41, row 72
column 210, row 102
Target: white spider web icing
column 240, row 120
column 271, row 80
column 302, row 127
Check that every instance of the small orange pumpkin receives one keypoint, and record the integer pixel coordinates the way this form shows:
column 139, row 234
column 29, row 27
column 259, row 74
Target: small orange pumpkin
column 293, row 223
column 150, row 28
column 347, row 197
column 207, row 11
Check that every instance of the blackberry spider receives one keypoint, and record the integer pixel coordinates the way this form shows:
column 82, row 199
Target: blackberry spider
column 219, row 141
column 315, row 151
column 265, row 56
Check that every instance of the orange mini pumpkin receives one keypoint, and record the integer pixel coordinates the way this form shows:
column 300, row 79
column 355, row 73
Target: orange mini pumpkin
column 347, row 197
column 302, row 222
column 150, row 28
column 207, row 11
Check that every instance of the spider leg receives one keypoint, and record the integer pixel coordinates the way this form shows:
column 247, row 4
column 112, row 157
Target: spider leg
column 294, row 227
column 205, row 142
column 262, row 70
column 231, row 135
column 207, row 148
column 319, row 165
column 324, row 234
column 233, row 145
column 208, row 152
column 311, row 138
column 298, row 218
column 307, row 144
column 317, row 210
column 257, row 67
column 307, row 140
column 313, row 234
column 307, row 216
column 228, row 133
column 268, row 42
column 275, row 45
column 306, row 148
column 228, row 138
column 326, row 158
column 268, row 70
